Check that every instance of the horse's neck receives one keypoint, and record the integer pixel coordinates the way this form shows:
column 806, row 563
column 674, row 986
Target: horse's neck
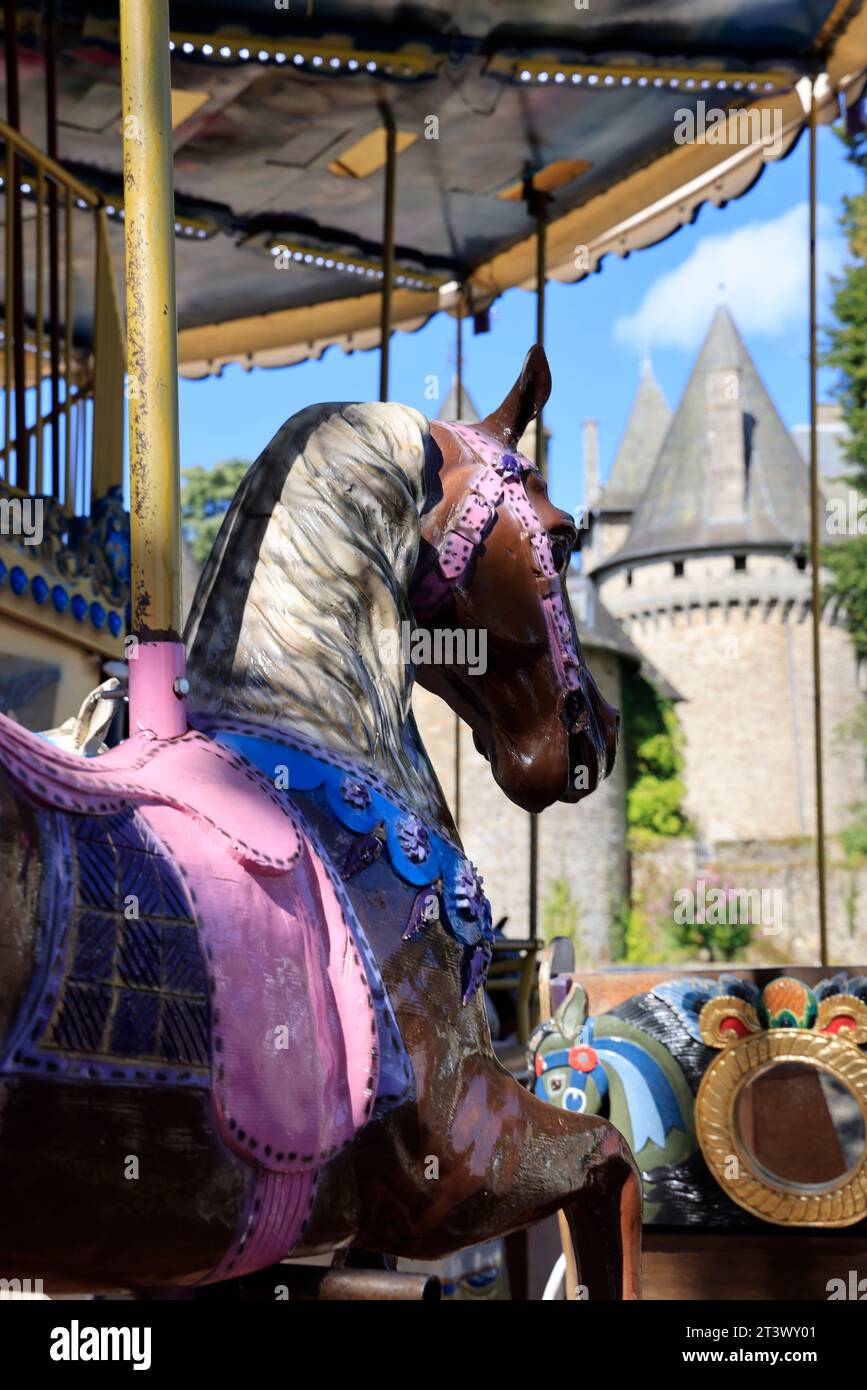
column 306, row 698
column 307, row 582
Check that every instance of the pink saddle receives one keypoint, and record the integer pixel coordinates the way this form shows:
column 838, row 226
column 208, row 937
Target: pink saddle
column 293, row 1027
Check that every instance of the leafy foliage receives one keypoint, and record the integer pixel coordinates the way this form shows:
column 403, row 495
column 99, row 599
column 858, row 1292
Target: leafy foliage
column 847, row 351
column 653, row 744
column 724, row 940
column 206, row 494
column 560, row 912
column 632, row 937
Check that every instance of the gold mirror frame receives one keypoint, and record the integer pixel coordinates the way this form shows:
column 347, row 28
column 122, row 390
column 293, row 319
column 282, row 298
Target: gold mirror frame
column 835, row 1204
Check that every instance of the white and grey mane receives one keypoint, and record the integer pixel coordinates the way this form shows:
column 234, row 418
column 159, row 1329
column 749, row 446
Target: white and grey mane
column 310, row 568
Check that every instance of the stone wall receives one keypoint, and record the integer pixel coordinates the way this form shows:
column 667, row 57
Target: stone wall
column 581, row 845
column 784, row 868
column 737, row 646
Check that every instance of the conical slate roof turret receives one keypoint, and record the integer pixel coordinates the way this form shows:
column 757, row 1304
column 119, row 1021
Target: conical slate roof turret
column 449, row 408
column 728, row 474
column 645, row 431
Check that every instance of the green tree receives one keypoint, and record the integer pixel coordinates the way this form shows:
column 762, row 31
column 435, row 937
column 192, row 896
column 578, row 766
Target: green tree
column 653, row 744
column 847, row 351
column 205, row 497
column 631, row 937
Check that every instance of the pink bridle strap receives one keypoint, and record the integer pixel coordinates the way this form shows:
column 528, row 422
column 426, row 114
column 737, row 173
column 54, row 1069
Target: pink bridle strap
column 499, row 479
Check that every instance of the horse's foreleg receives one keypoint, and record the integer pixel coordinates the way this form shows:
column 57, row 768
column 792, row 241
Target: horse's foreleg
column 604, row 1223
column 594, row 1182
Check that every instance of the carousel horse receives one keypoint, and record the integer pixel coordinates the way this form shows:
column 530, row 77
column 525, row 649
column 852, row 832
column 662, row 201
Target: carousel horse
column 240, row 969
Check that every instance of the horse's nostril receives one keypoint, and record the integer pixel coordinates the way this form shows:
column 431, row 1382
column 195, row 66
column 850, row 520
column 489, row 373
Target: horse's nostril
column 571, row 708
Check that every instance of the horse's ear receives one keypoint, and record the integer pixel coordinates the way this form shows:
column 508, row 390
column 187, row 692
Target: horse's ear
column 572, row 1013
column 526, row 398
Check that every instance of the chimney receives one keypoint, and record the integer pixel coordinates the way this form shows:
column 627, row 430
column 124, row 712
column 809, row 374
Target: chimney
column 591, row 463
column 727, row 459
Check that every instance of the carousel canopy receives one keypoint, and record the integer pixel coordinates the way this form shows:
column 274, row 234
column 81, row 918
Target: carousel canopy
column 279, row 139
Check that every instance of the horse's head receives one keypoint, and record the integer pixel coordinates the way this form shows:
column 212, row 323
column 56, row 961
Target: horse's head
column 493, row 562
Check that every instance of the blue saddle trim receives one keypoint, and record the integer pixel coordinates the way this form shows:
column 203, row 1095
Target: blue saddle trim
column 396, row 1079
column 418, row 852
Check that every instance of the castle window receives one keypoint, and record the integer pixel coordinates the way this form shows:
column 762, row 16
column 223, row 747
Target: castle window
column 801, row 562
column 678, row 569
column 629, row 579
column 740, row 563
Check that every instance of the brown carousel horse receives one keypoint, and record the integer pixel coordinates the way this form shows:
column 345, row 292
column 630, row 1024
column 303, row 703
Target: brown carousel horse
column 239, row 970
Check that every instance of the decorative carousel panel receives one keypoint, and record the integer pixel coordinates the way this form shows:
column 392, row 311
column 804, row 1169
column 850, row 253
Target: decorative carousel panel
column 742, row 1103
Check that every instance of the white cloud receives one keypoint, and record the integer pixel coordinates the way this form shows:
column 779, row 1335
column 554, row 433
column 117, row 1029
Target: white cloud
column 760, row 271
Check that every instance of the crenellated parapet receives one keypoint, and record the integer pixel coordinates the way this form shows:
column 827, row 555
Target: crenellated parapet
column 743, row 588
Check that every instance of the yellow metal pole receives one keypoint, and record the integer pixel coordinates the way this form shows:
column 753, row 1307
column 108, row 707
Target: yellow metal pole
column 151, row 320
column 387, row 249
column 815, row 556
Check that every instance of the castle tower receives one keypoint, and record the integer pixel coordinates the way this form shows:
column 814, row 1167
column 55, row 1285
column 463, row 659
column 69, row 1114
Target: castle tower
column 712, row 585
column 449, row 408
column 608, row 512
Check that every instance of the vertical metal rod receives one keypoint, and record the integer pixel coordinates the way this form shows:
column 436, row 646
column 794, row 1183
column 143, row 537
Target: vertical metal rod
column 541, row 276
column 7, row 319
column 15, row 287
column 154, row 446
column 460, row 410
column 541, row 272
column 40, row 318
column 53, row 242
column 387, row 249
column 460, row 355
column 534, row 876
column 814, row 553
column 69, row 495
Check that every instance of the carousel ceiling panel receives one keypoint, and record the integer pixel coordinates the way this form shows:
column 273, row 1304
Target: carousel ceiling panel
column 278, row 119
column 691, row 26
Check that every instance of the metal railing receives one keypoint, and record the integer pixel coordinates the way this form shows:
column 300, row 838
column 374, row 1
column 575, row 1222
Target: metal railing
column 46, row 375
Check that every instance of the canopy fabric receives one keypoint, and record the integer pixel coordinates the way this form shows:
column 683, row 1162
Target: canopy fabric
column 278, row 153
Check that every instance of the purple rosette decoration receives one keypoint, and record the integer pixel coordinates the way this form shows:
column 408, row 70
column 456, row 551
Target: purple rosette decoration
column 413, row 838
column 510, row 466
column 468, row 918
column 355, row 793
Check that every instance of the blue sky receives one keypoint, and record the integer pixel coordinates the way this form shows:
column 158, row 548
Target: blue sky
column 660, row 299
